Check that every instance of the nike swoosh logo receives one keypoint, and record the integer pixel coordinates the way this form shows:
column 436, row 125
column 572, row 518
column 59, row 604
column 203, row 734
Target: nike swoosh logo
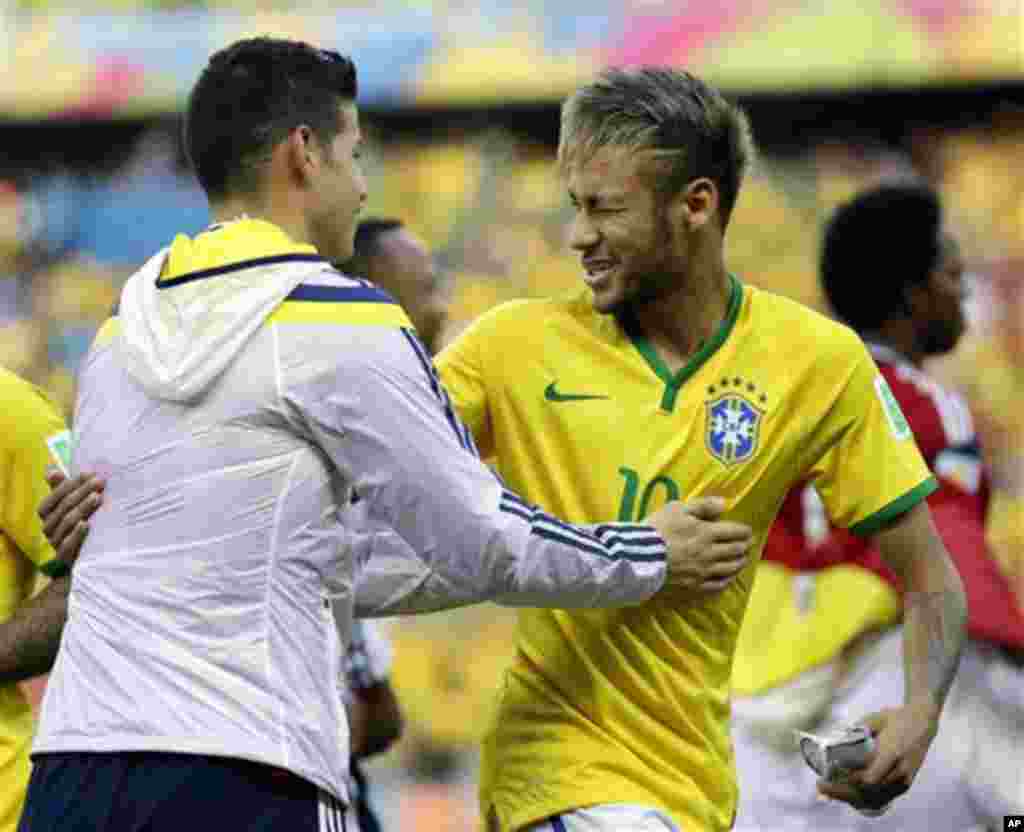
column 552, row 395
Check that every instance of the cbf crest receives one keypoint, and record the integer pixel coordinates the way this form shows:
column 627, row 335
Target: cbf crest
column 733, row 424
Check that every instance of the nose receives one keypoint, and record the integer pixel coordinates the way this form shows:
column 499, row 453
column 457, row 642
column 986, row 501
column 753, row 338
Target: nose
column 582, row 233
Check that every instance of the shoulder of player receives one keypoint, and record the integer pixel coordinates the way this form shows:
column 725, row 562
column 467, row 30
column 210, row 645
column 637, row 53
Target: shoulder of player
column 336, row 323
column 798, row 323
column 26, row 411
column 329, row 284
column 516, row 318
column 327, row 296
column 530, row 309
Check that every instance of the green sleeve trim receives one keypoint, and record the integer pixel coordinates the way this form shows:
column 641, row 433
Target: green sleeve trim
column 871, row 524
column 55, row 568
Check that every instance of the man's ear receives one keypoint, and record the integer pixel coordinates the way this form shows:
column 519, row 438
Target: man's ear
column 695, row 206
column 301, row 153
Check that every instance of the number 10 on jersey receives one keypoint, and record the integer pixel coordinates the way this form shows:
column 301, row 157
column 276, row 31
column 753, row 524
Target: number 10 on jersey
column 629, row 510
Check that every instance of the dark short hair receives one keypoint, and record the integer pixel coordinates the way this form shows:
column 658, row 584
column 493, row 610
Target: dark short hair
column 369, row 231
column 250, row 96
column 367, row 244
column 877, row 245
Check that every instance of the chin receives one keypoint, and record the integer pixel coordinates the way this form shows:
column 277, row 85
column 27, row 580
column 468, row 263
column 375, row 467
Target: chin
column 608, row 300
column 942, row 343
column 339, row 252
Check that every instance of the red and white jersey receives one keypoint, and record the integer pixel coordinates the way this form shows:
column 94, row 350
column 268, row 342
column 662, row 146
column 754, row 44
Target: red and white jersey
column 804, row 540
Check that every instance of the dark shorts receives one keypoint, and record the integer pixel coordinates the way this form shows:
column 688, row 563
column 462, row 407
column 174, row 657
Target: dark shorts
column 156, row 792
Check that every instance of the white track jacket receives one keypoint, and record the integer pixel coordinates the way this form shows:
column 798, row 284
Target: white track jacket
column 269, row 427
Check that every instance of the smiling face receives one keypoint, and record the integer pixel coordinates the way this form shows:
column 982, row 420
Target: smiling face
column 631, row 250
column 338, row 192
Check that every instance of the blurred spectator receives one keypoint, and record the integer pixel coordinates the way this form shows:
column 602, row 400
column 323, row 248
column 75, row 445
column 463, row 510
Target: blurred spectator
column 398, row 261
column 989, row 368
column 142, row 205
column 904, row 299
column 11, row 287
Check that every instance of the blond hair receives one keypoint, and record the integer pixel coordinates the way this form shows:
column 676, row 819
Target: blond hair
column 686, row 126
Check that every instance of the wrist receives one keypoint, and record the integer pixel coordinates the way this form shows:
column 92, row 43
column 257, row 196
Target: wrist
column 927, row 706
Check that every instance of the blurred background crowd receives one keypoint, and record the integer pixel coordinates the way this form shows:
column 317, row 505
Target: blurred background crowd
column 460, row 105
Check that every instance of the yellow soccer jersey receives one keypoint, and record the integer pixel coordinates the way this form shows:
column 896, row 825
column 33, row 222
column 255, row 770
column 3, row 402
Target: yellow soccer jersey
column 32, row 436
column 579, row 415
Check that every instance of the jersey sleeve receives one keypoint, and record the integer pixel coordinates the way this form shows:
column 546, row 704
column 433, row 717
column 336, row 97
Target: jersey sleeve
column 872, row 470
column 35, row 437
column 440, row 524
column 942, row 426
column 939, row 417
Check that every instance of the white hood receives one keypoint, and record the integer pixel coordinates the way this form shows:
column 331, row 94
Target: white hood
column 178, row 338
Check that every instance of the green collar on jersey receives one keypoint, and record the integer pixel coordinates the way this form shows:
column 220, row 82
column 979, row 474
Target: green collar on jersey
column 673, row 383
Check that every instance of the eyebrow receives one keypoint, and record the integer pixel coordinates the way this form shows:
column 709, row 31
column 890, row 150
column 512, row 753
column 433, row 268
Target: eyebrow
column 600, row 196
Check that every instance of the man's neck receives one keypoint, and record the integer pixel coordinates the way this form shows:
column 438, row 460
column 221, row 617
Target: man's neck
column 680, row 324
column 235, row 209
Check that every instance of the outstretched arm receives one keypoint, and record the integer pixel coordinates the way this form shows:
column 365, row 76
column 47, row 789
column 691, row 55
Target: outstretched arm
column 442, row 525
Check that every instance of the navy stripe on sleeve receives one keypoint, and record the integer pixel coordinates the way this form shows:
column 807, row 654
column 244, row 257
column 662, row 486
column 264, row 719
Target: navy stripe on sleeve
column 439, row 390
column 558, row 537
column 340, row 294
column 461, row 432
column 630, row 533
column 512, row 508
column 624, row 541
